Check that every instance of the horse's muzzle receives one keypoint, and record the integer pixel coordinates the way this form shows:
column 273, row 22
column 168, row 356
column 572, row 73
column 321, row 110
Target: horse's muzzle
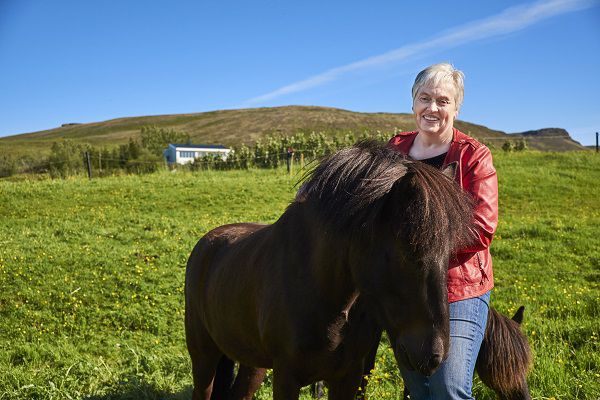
column 426, row 366
column 430, row 366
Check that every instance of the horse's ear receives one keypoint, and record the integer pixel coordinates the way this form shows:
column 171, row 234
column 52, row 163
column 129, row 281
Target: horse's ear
column 450, row 170
column 518, row 317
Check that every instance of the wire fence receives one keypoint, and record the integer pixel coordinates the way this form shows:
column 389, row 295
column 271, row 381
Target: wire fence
column 100, row 164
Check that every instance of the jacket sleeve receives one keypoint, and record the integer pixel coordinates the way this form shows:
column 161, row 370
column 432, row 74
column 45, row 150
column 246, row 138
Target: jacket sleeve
column 481, row 181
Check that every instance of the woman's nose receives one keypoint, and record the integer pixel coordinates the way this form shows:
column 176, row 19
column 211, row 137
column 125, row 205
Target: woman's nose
column 433, row 106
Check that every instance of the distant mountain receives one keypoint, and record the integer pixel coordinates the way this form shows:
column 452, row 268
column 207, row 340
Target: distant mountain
column 550, row 139
column 234, row 127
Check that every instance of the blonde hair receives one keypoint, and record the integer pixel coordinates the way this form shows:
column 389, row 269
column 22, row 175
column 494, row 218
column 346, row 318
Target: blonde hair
column 437, row 74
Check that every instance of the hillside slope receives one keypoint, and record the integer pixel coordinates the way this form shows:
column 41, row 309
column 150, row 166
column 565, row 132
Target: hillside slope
column 549, row 139
column 233, row 127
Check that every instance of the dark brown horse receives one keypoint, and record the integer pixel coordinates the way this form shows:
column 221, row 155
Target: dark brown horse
column 366, row 249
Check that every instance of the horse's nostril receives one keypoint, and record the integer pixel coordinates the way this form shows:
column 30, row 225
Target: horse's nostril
column 434, row 361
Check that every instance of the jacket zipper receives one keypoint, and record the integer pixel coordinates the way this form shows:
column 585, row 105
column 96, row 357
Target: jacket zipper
column 483, row 274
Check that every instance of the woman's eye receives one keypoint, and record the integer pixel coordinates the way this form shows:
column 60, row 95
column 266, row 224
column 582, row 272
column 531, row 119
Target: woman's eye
column 424, row 99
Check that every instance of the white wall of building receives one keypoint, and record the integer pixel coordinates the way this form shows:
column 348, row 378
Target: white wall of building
column 185, row 155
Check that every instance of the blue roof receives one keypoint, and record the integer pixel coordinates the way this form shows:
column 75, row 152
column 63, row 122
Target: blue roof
column 200, row 146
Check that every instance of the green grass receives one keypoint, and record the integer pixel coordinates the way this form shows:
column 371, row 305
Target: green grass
column 92, row 272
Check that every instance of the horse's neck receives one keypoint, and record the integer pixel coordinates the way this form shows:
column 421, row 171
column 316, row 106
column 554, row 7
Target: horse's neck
column 327, row 261
column 324, row 263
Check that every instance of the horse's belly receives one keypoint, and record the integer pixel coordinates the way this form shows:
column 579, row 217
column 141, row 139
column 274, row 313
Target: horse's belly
column 222, row 285
column 244, row 353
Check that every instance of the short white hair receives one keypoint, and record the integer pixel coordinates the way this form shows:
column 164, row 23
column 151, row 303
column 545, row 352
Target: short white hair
column 438, row 74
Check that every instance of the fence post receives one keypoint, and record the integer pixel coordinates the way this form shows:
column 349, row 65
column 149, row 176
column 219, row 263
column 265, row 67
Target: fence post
column 289, row 159
column 89, row 164
column 596, row 142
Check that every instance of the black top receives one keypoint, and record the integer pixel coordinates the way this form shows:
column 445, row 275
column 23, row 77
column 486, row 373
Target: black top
column 436, row 161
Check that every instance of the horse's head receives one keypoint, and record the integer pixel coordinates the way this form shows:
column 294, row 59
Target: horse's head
column 411, row 300
column 431, row 218
column 422, row 220
column 403, row 220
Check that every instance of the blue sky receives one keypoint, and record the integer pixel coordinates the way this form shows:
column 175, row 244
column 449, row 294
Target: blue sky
column 528, row 64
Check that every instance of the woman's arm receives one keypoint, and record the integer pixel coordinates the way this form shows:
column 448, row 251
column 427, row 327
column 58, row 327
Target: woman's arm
column 480, row 180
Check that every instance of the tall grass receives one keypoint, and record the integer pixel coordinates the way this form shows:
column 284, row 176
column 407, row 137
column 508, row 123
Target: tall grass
column 92, row 275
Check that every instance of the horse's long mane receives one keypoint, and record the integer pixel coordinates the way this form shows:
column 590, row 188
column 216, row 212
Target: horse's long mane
column 359, row 186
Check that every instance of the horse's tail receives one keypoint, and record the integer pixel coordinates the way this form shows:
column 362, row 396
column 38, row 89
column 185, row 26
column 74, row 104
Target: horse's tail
column 505, row 357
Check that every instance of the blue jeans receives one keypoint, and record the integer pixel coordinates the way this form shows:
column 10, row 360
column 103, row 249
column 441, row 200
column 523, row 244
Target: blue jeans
column 454, row 379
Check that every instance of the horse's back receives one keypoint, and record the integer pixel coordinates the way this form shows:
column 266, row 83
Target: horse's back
column 212, row 246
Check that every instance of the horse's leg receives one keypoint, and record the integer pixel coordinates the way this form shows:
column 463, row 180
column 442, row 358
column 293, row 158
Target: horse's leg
column 223, row 378
column 346, row 387
column 316, row 390
column 247, row 382
column 204, row 365
column 205, row 357
column 369, row 366
column 285, row 385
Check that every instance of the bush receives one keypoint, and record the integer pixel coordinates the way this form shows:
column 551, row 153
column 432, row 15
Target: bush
column 521, row 145
column 508, row 146
column 8, row 166
column 66, row 159
column 144, row 163
column 156, row 139
column 518, row 145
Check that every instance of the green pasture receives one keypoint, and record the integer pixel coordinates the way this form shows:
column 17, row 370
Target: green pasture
column 91, row 276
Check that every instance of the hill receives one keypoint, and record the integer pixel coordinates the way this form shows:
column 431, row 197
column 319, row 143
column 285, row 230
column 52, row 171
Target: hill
column 233, row 127
column 549, row 139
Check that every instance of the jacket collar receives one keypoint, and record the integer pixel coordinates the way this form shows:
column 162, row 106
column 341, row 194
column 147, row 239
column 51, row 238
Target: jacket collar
column 458, row 141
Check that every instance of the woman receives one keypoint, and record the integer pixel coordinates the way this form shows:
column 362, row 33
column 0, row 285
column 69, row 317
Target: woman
column 437, row 97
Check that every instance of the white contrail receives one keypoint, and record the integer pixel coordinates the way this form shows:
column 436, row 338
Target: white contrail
column 510, row 20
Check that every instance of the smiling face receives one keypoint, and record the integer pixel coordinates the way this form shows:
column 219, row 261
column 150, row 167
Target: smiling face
column 435, row 110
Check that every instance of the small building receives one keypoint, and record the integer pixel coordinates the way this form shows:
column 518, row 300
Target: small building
column 187, row 153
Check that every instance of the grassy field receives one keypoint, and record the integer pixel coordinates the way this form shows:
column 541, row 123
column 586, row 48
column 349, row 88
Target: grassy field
column 91, row 276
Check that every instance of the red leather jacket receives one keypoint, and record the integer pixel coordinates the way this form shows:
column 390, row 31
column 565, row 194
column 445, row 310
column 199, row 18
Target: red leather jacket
column 470, row 273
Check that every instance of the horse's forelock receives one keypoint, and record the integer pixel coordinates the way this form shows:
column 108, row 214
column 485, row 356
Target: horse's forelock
column 346, row 187
column 439, row 214
column 351, row 188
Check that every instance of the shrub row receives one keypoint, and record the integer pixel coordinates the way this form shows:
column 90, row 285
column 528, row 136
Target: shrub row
column 273, row 151
column 68, row 158
column 145, row 155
